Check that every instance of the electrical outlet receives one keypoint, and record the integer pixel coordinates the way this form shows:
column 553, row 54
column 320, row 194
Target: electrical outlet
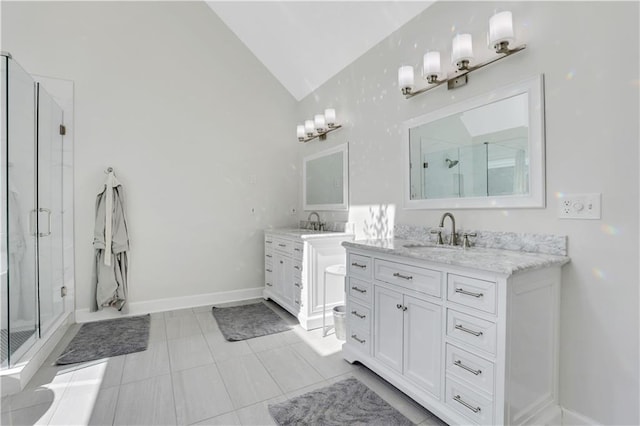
column 579, row 206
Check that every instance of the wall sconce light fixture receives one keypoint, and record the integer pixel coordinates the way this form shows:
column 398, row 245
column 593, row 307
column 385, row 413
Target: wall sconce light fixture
column 318, row 127
column 499, row 37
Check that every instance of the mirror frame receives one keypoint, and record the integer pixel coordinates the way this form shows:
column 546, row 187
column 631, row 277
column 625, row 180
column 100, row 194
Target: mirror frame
column 536, row 198
column 344, row 148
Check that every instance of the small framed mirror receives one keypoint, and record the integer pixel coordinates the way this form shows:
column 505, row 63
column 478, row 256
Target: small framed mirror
column 485, row 152
column 325, row 179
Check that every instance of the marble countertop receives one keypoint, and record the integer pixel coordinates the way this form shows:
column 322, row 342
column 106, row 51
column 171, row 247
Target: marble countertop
column 486, row 259
column 305, row 234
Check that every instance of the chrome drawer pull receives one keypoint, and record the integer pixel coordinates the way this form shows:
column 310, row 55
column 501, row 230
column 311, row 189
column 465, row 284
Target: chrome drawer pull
column 297, row 302
column 269, row 270
column 269, row 242
column 357, row 265
column 296, row 267
column 282, row 245
column 399, row 275
column 297, row 285
column 358, row 315
column 466, row 404
column 469, row 369
column 268, row 255
column 296, row 249
column 468, row 293
column 355, row 337
column 269, row 284
column 466, row 330
column 359, row 290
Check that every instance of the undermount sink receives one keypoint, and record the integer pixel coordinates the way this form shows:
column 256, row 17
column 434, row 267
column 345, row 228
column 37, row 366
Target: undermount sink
column 431, row 246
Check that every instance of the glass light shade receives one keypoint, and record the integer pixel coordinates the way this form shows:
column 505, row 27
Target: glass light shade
column 405, row 77
column 431, row 64
column 319, row 122
column 308, row 127
column 462, row 48
column 501, row 28
column 330, row 116
column 300, row 131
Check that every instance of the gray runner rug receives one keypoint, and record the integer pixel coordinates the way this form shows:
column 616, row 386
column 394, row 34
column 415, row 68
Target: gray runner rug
column 102, row 339
column 248, row 321
column 347, row 402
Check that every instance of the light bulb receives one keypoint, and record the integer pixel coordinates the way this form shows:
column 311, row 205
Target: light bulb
column 300, row 132
column 405, row 79
column 330, row 117
column 308, row 127
column 319, row 122
column 501, row 31
column 431, row 66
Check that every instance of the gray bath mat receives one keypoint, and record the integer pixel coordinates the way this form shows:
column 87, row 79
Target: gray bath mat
column 248, row 321
column 102, row 339
column 347, row 402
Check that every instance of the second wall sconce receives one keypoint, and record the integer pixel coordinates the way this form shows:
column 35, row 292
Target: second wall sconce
column 499, row 37
column 318, row 127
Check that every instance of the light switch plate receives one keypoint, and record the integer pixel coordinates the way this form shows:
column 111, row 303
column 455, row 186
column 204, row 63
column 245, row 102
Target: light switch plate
column 579, row 206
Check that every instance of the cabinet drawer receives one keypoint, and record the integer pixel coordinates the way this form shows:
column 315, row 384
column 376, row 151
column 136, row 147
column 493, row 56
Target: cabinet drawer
column 359, row 317
column 412, row 277
column 474, row 331
column 297, row 268
column 283, row 246
column 361, row 290
column 359, row 339
column 470, row 368
column 359, row 265
column 478, row 294
column 471, row 404
column 297, row 250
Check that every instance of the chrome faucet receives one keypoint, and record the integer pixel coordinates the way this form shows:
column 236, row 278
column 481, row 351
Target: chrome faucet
column 316, row 224
column 453, row 241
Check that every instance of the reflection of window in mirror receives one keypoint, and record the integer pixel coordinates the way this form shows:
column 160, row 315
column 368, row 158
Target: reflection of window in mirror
column 325, row 180
column 484, row 148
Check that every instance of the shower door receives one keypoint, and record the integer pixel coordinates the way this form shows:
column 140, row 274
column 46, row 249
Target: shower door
column 50, row 243
column 19, row 320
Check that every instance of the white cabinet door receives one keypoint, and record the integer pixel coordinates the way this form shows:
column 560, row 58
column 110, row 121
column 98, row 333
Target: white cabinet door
column 388, row 316
column 283, row 278
column 422, row 350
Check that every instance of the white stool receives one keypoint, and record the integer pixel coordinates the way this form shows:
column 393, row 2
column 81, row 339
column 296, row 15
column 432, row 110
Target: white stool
column 335, row 270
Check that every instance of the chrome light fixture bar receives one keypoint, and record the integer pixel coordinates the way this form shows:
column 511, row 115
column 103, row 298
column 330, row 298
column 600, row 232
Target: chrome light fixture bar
column 319, row 127
column 499, row 37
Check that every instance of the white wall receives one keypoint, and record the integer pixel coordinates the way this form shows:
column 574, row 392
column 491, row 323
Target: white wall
column 198, row 131
column 592, row 110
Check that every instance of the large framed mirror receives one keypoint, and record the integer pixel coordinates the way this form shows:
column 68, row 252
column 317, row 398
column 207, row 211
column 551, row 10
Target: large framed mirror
column 325, row 179
column 484, row 152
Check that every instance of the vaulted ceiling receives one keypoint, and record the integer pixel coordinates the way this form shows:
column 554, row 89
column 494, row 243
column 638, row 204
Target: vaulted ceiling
column 304, row 44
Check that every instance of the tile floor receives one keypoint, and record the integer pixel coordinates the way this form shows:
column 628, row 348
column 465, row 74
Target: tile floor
column 190, row 375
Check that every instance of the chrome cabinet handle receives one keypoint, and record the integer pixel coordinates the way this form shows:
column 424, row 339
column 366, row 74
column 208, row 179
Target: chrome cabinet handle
column 269, row 270
column 468, row 293
column 358, row 315
column 269, row 284
column 399, row 275
column 404, row 308
column 282, row 245
column 359, row 290
column 297, row 302
column 269, row 242
column 469, row 369
column 357, row 265
column 296, row 267
column 399, row 306
column 355, row 337
column 48, row 212
column 268, row 255
column 466, row 404
column 296, row 249
column 466, row 330
column 297, row 285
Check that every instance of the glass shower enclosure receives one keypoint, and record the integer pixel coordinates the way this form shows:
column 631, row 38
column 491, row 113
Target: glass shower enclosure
column 31, row 185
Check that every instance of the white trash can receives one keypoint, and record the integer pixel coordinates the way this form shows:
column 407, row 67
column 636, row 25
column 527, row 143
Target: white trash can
column 339, row 313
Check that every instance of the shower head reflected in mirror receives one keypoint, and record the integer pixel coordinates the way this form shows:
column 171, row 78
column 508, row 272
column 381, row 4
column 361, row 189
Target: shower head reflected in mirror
column 450, row 163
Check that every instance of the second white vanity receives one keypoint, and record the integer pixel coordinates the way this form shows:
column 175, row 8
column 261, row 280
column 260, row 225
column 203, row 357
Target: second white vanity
column 472, row 335
column 295, row 261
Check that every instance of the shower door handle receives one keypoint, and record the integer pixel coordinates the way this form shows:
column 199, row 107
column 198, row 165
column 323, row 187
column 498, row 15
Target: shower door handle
column 48, row 212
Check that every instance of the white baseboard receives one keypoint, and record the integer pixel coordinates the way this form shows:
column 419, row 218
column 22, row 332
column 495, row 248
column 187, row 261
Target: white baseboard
column 571, row 418
column 161, row 305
